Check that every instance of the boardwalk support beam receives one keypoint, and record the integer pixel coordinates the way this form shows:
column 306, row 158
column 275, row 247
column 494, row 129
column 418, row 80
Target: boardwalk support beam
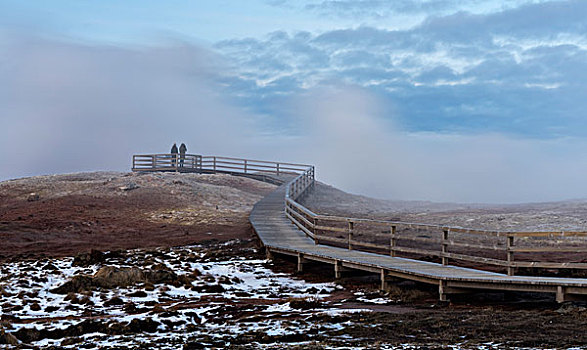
column 445, row 288
column 385, row 279
column 301, row 261
column 338, row 269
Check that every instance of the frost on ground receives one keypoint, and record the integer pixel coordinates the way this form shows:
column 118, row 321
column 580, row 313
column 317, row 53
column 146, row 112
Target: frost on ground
column 164, row 298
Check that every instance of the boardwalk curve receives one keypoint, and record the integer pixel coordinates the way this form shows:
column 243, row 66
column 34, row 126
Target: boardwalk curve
column 284, row 226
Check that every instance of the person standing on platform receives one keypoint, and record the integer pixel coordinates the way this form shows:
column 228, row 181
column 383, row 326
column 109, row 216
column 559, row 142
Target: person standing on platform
column 182, row 150
column 173, row 155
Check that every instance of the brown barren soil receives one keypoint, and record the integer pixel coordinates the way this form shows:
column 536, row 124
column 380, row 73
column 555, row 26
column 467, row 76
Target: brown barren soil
column 61, row 215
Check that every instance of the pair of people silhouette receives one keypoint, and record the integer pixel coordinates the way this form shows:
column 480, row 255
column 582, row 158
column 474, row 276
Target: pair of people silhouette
column 174, row 151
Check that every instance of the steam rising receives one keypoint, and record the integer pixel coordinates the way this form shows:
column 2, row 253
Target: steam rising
column 67, row 107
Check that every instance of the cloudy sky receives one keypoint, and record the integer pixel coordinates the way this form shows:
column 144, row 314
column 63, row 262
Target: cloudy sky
column 445, row 100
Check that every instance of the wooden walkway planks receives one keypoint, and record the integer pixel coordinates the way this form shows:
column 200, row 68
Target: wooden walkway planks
column 279, row 235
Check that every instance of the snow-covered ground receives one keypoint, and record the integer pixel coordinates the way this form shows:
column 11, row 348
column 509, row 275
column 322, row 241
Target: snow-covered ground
column 224, row 302
column 215, row 296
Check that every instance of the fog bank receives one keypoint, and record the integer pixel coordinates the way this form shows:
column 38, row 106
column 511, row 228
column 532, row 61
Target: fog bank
column 68, row 107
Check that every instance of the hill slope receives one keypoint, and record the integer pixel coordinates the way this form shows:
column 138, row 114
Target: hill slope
column 62, row 215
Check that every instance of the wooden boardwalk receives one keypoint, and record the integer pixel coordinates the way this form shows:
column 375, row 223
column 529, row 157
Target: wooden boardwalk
column 285, row 226
column 279, row 235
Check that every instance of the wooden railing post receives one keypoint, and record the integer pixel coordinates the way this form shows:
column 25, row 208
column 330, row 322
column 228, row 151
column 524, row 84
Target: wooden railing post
column 392, row 241
column 214, row 167
column 445, row 247
column 351, row 229
column 315, row 230
column 277, row 169
column 510, row 255
column 245, row 166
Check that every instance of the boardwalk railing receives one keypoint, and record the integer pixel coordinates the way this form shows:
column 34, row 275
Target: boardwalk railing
column 250, row 166
column 503, row 249
column 166, row 162
column 506, row 250
column 199, row 163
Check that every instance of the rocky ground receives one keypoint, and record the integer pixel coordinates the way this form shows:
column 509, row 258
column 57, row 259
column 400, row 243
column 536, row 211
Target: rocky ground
column 168, row 261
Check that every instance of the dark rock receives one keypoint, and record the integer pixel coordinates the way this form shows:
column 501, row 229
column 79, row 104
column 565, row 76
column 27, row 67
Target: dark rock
column 147, row 325
column 209, row 278
column 70, row 296
column 168, row 314
column 71, row 341
column 215, row 288
column 7, row 338
column 50, row 266
column 86, row 301
column 87, row 326
column 77, row 284
column 35, row 307
column 224, row 280
column 111, row 277
column 33, row 197
column 158, row 309
column 28, row 335
column 193, row 346
column 87, row 259
column 114, row 301
column 129, row 307
column 129, row 187
column 305, row 304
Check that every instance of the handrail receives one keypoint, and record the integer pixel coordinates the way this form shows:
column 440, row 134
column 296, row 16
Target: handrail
column 354, row 230
column 314, row 225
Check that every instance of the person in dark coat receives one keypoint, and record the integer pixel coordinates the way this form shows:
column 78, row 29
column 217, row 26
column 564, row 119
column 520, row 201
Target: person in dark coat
column 173, row 155
column 182, row 150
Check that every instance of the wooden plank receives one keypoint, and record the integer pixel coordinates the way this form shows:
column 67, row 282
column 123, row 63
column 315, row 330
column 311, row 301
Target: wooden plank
column 550, row 265
column 453, row 243
column 417, row 251
column 478, row 259
column 548, row 249
column 369, row 245
column 333, row 229
column 299, row 216
column 417, row 239
column 331, row 239
column 301, row 227
column 301, row 207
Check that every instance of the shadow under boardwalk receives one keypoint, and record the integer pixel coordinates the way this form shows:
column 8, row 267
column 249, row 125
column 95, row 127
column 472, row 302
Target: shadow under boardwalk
column 279, row 235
